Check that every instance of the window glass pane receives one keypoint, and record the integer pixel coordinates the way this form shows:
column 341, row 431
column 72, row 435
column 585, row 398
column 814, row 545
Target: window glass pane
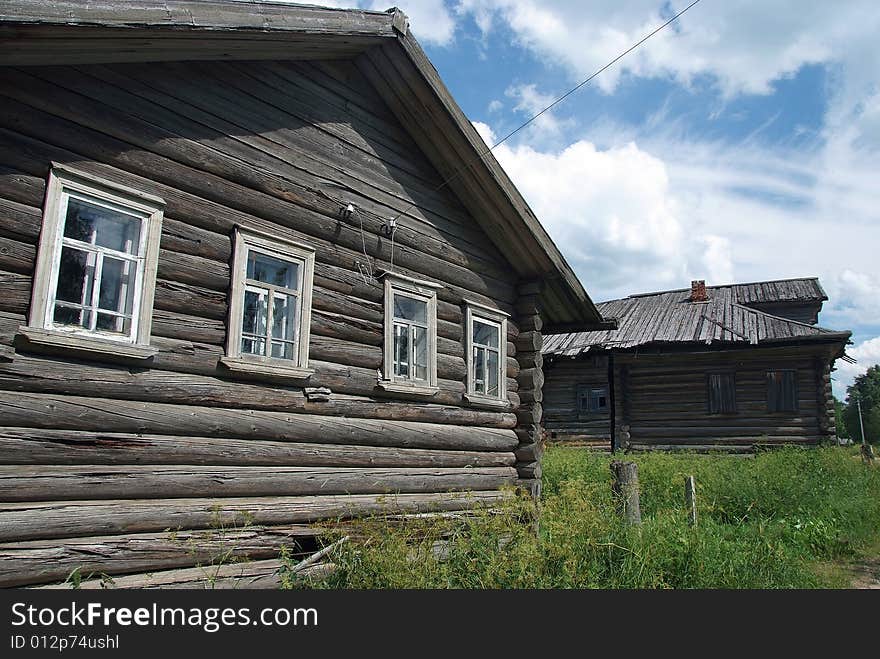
column 407, row 308
column 68, row 316
column 254, row 322
column 270, row 270
column 283, row 316
column 598, row 400
column 102, row 226
column 492, row 373
column 108, row 323
column 485, row 334
column 116, row 285
column 420, row 353
column 253, row 346
column 283, row 350
column 479, row 370
column 76, row 275
column 401, row 350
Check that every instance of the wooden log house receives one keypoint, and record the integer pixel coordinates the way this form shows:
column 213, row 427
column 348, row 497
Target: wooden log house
column 257, row 269
column 718, row 367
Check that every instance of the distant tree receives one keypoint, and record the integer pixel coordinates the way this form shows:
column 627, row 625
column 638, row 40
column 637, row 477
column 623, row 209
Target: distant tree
column 865, row 388
column 839, row 409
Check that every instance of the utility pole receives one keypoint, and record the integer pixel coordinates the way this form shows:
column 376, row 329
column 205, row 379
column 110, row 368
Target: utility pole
column 867, row 449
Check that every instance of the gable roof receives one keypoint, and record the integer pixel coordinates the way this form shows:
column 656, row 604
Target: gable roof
column 669, row 317
column 34, row 32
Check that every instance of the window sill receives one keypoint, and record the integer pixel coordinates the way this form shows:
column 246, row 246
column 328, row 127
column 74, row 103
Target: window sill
column 476, row 400
column 406, row 388
column 67, row 343
column 265, row 368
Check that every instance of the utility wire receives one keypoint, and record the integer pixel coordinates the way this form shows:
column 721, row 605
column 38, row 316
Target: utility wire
column 571, row 91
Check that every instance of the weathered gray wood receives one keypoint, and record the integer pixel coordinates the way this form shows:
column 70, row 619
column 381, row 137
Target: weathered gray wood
column 625, row 488
column 16, row 256
column 30, row 156
column 16, row 292
column 44, row 520
column 63, row 483
column 529, row 341
column 22, row 446
column 44, row 561
column 51, row 411
column 690, row 497
column 191, row 167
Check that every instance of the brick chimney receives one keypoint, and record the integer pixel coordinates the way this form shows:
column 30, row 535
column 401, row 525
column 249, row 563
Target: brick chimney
column 698, row 291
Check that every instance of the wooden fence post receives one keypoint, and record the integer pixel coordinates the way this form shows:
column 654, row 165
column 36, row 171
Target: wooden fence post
column 625, row 488
column 690, row 495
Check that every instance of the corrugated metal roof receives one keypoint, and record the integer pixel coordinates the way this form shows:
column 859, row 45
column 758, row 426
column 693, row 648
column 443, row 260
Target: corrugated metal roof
column 670, row 317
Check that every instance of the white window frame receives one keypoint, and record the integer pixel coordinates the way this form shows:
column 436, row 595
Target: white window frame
column 425, row 291
column 41, row 331
column 246, row 240
column 475, row 311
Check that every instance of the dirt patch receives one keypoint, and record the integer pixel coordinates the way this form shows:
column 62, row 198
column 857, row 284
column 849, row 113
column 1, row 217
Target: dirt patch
column 866, row 575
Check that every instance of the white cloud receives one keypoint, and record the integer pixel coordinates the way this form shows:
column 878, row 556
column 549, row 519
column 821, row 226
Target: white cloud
column 529, row 102
column 614, row 215
column 495, row 105
column 744, row 44
column 866, row 354
column 430, row 20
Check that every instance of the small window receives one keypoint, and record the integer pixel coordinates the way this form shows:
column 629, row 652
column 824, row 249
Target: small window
column 592, row 399
column 486, row 354
column 410, row 335
column 96, row 269
column 270, row 304
column 722, row 393
column 782, row 395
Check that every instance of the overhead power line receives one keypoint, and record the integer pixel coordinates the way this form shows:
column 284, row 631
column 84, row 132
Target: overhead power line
column 571, row 91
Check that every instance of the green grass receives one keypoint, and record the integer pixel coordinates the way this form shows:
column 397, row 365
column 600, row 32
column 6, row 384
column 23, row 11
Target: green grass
column 768, row 522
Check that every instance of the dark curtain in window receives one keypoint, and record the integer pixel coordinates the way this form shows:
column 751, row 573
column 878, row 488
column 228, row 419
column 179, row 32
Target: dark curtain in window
column 722, row 393
column 781, row 391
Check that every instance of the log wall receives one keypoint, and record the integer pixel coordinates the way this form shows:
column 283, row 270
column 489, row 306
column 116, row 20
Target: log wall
column 562, row 420
column 101, row 455
column 664, row 400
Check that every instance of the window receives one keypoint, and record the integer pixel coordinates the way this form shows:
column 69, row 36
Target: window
column 410, row 362
column 592, row 399
column 270, row 306
column 782, row 395
column 722, row 393
column 96, row 267
column 486, row 332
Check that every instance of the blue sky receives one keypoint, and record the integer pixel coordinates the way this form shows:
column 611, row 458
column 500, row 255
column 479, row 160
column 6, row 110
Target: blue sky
column 742, row 145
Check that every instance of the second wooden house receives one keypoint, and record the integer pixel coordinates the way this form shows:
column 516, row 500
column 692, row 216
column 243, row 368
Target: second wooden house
column 713, row 367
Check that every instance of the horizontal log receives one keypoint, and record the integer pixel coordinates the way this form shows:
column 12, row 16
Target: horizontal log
column 19, row 221
column 529, row 452
column 529, row 342
column 250, row 575
column 529, row 359
column 195, row 270
column 171, row 325
column 694, row 448
column 16, row 256
column 530, row 323
column 65, row 483
column 528, row 470
column 530, row 378
column 529, row 414
column 44, row 561
column 23, row 446
column 16, row 292
column 184, row 238
column 190, row 299
column 52, row 411
column 45, row 520
column 531, row 396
